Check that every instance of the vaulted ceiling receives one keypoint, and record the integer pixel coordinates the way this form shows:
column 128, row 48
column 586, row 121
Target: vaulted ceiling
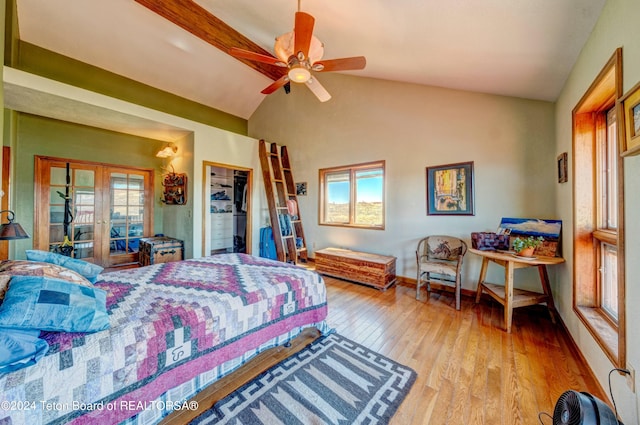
column 518, row 48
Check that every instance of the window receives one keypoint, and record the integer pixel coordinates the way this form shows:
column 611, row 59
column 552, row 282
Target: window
column 606, row 235
column 353, row 195
column 599, row 295
column 609, row 278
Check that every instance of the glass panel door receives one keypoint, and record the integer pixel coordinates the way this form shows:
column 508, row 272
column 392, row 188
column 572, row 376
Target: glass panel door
column 72, row 212
column 92, row 211
column 127, row 209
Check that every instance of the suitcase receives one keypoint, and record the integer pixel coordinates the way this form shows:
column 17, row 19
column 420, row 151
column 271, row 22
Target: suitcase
column 160, row 250
column 267, row 244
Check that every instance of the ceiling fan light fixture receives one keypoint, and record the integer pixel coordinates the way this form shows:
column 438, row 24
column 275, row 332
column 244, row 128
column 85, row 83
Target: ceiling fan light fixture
column 299, row 74
column 284, row 46
column 302, row 52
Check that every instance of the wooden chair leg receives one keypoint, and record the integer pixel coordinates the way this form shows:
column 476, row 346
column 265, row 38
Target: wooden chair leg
column 418, row 285
column 458, row 284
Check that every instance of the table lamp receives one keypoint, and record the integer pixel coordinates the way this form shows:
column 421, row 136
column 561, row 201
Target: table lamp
column 11, row 230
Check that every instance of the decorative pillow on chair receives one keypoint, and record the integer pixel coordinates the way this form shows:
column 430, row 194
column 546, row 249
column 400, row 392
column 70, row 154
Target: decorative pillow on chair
column 85, row 268
column 442, row 248
column 20, row 348
column 37, row 268
column 37, row 302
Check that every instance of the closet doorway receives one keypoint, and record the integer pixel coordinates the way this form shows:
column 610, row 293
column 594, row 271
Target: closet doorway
column 226, row 208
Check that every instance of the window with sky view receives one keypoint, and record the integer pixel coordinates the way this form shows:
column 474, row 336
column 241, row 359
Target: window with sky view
column 353, row 195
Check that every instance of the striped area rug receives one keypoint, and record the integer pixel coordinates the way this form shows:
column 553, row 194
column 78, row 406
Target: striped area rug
column 332, row 381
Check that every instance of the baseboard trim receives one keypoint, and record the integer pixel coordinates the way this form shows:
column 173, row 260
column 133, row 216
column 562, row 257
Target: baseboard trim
column 573, row 347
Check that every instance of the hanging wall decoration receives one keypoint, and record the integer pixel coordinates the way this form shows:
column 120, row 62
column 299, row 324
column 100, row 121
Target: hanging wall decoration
column 301, row 189
column 631, row 122
column 450, row 189
column 563, row 175
column 175, row 189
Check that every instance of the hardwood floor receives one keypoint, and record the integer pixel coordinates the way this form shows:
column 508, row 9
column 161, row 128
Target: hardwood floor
column 469, row 370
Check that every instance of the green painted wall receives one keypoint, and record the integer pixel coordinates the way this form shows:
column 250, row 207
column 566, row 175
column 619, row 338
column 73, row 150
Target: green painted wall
column 48, row 137
column 10, row 30
column 2, row 39
column 39, row 61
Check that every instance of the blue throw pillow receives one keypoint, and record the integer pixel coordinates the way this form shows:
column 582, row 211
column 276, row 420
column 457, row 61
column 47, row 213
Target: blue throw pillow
column 38, row 302
column 20, row 348
column 85, row 268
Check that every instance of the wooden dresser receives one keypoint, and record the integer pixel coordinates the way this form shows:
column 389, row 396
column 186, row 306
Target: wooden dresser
column 370, row 269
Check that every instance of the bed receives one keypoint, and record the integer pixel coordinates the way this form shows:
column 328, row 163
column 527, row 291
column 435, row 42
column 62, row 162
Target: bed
column 175, row 328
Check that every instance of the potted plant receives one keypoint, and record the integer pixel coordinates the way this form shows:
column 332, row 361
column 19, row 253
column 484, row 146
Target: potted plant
column 525, row 247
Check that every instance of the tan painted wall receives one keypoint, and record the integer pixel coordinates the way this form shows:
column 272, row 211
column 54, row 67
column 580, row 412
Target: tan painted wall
column 616, row 27
column 411, row 127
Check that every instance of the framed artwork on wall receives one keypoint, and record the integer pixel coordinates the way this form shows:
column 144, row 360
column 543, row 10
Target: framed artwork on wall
column 562, row 168
column 301, row 189
column 450, row 189
column 631, row 122
column 548, row 230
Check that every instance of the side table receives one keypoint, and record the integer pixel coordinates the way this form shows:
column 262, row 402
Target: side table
column 506, row 294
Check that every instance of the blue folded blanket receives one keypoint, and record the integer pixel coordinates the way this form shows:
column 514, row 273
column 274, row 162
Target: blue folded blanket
column 20, row 348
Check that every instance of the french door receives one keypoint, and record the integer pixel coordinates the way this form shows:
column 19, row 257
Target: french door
column 96, row 212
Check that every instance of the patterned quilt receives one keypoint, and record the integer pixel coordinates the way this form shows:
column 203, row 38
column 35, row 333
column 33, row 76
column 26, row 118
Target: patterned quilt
column 170, row 324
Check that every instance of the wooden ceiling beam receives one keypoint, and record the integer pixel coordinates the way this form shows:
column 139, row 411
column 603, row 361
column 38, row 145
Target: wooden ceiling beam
column 190, row 16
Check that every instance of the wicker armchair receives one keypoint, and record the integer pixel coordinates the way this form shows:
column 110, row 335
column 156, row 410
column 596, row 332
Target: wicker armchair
column 439, row 259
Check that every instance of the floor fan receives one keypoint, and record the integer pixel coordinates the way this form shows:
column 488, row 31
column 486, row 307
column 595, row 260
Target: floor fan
column 578, row 408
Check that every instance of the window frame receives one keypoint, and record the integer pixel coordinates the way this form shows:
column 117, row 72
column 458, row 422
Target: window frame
column 352, row 170
column 589, row 232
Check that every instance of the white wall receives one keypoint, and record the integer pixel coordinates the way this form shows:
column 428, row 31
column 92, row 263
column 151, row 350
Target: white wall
column 411, row 127
column 618, row 26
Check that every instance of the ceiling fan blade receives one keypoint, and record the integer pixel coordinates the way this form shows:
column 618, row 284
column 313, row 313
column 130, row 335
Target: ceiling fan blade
column 246, row 54
column 303, row 31
column 276, row 85
column 321, row 93
column 343, row 64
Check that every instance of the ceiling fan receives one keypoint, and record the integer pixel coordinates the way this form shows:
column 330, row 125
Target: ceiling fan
column 301, row 52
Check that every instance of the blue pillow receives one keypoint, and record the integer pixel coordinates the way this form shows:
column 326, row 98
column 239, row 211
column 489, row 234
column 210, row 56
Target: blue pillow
column 20, row 348
column 39, row 302
column 85, row 268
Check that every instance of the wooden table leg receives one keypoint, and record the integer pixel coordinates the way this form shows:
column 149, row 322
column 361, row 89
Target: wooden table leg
column 546, row 287
column 508, row 295
column 483, row 275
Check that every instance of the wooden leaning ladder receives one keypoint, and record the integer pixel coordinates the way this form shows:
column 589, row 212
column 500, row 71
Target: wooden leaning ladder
column 280, row 188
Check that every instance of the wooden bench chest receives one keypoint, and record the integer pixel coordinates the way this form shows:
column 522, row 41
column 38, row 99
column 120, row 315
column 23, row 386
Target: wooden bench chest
column 362, row 267
column 160, row 249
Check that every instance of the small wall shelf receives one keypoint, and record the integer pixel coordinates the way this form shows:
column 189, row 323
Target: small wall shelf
column 175, row 189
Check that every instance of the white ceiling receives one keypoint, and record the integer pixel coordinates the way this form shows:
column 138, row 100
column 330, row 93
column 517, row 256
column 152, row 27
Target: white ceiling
column 521, row 48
